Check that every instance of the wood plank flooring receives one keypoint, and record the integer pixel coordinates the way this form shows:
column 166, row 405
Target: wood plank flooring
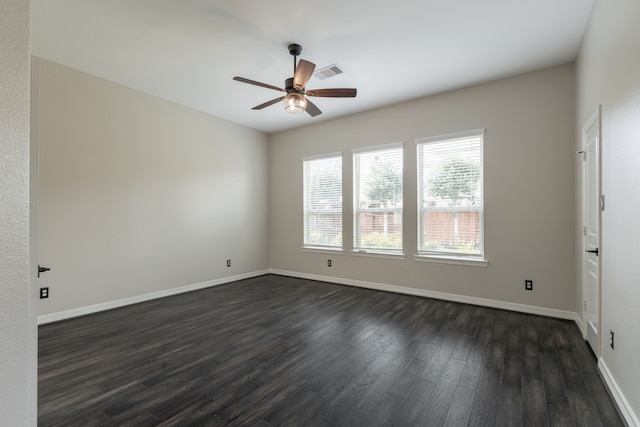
column 279, row 351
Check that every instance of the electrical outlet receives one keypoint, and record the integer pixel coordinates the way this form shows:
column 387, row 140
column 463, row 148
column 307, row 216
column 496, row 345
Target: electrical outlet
column 228, row 263
column 328, row 263
column 612, row 340
column 44, row 293
column 528, row 285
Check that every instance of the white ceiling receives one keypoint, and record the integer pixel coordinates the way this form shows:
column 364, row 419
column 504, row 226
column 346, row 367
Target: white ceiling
column 187, row 51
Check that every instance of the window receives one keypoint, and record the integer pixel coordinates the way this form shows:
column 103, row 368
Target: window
column 377, row 197
column 322, row 198
column 450, row 203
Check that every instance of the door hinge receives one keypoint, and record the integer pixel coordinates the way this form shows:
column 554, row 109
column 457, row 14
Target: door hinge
column 584, row 230
column 583, row 154
column 584, row 305
column 602, row 202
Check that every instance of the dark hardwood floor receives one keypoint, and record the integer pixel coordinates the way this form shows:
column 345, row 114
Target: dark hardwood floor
column 278, row 351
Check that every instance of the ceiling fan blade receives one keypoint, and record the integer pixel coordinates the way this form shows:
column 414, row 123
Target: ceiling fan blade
column 304, row 70
column 253, row 82
column 333, row 93
column 266, row 104
column 312, row 109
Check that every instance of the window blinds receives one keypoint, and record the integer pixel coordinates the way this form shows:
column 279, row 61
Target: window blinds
column 450, row 199
column 378, row 198
column 322, row 198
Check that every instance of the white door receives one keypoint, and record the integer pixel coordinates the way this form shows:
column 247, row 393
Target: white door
column 592, row 208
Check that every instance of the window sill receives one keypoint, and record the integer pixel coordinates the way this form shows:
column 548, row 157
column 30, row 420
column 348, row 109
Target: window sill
column 473, row 262
column 321, row 250
column 387, row 255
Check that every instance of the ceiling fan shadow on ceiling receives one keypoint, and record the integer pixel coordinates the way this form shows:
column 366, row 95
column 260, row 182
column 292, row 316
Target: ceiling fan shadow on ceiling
column 295, row 101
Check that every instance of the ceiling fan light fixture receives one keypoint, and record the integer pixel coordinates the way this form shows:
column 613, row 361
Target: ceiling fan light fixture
column 295, row 103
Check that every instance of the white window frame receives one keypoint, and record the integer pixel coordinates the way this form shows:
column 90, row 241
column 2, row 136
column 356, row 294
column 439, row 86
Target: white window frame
column 450, row 256
column 375, row 252
column 306, row 245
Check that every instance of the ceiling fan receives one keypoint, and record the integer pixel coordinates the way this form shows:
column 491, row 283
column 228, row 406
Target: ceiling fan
column 295, row 101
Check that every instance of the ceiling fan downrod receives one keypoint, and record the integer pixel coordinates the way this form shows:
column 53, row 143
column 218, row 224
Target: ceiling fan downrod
column 295, row 50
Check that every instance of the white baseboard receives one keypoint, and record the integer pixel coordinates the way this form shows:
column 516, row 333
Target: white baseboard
column 625, row 409
column 580, row 325
column 523, row 308
column 90, row 309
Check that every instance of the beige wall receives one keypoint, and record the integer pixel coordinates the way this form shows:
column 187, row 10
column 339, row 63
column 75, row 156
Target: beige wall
column 608, row 74
column 18, row 333
column 140, row 195
column 529, row 190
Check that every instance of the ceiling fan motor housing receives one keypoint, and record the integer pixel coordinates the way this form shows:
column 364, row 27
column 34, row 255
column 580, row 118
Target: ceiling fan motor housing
column 288, row 85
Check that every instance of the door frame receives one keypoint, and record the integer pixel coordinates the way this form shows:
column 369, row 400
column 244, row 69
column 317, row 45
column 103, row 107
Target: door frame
column 594, row 119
